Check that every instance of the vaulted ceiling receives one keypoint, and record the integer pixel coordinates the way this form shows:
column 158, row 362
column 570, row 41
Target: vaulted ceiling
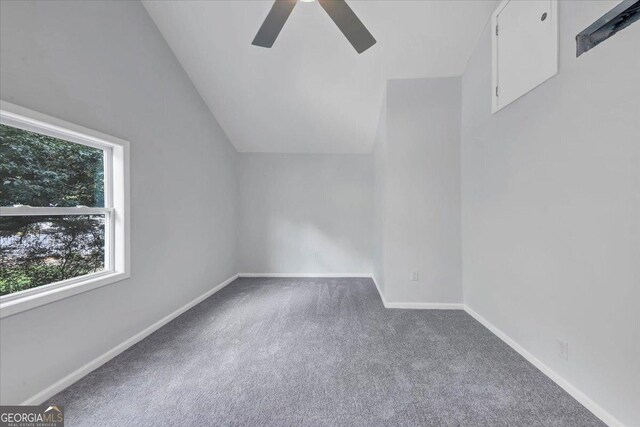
column 311, row 92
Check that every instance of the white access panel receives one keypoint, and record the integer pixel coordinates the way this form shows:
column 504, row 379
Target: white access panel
column 525, row 48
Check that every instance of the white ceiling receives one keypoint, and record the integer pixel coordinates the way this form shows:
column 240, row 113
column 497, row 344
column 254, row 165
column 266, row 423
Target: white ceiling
column 311, row 92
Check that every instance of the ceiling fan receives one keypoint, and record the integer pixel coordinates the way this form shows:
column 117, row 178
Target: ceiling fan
column 338, row 10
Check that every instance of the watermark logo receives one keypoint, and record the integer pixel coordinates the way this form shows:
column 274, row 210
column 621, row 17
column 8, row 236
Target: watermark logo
column 31, row 416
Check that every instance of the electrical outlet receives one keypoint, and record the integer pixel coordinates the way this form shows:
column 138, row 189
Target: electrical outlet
column 563, row 350
column 414, row 276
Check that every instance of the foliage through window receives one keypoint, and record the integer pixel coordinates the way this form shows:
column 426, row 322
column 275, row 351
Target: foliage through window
column 40, row 171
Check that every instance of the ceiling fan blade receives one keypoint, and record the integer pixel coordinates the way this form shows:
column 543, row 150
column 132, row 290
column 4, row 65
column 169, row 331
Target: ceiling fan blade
column 273, row 23
column 347, row 21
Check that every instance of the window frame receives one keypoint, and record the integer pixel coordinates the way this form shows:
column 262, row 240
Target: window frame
column 116, row 209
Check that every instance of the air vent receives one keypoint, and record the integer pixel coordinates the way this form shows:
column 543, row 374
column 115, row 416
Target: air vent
column 618, row 18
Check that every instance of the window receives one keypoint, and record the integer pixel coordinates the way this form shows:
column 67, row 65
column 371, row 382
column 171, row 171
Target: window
column 63, row 209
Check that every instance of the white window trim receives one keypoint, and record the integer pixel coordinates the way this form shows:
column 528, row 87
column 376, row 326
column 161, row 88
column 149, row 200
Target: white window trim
column 117, row 266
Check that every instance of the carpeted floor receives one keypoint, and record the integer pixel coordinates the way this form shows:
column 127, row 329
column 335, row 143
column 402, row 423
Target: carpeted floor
column 318, row 352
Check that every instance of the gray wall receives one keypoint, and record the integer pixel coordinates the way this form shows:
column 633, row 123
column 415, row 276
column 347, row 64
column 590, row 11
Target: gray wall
column 305, row 213
column 105, row 66
column 418, row 191
column 551, row 210
column 379, row 198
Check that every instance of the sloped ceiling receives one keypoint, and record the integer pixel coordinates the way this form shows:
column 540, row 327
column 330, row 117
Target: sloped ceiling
column 311, row 92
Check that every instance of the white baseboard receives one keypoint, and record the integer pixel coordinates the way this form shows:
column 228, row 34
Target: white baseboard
column 304, row 275
column 416, row 305
column 425, row 305
column 65, row 382
column 592, row 406
column 375, row 282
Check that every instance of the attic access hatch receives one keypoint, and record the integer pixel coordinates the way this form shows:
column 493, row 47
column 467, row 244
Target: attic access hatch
column 524, row 48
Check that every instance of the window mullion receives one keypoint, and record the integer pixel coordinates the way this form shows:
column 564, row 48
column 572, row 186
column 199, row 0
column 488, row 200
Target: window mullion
column 38, row 211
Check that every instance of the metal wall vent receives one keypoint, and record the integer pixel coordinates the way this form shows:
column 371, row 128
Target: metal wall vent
column 618, row 18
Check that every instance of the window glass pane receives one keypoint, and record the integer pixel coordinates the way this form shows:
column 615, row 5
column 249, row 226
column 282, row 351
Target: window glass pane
column 38, row 250
column 43, row 171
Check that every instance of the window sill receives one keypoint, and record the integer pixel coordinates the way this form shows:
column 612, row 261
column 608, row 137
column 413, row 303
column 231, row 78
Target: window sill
column 31, row 298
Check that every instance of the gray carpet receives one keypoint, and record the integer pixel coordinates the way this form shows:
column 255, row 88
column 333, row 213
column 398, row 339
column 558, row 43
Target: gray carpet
column 318, row 352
